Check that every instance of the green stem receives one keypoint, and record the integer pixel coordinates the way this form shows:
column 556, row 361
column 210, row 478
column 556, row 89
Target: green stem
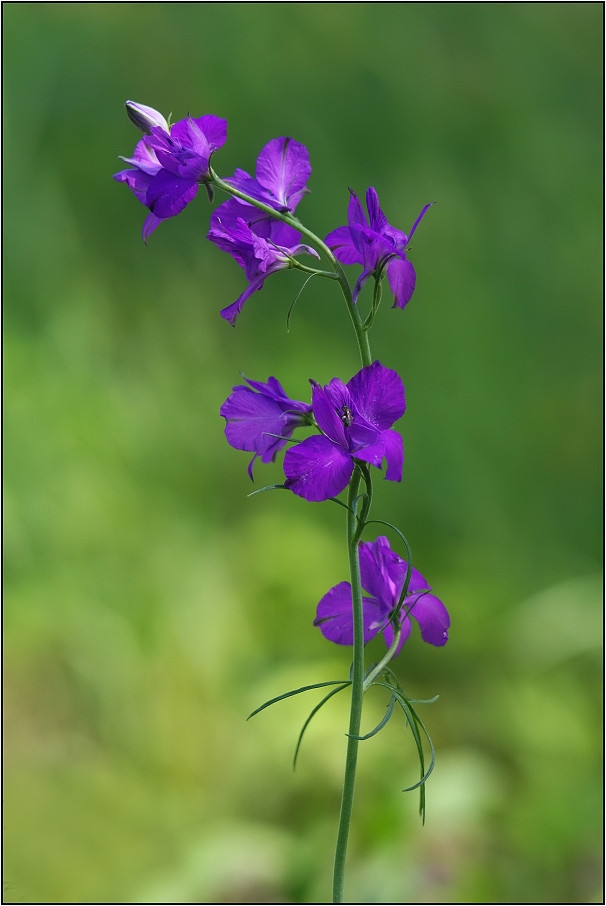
column 357, row 693
column 358, row 325
column 384, row 661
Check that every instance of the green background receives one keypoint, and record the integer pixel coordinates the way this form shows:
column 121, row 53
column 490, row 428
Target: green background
column 150, row 606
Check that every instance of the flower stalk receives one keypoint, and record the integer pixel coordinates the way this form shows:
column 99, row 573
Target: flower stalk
column 257, row 226
column 357, row 694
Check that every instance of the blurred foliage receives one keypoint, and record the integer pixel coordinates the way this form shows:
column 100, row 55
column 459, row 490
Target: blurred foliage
column 150, row 606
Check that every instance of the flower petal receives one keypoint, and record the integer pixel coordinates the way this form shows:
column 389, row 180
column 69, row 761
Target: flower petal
column 360, row 282
column 283, row 168
column 419, row 219
column 378, row 220
column 215, row 130
column 232, row 312
column 168, row 194
column 378, row 394
column 150, row 224
column 144, row 158
column 402, row 280
column 341, row 243
column 373, row 573
column 317, row 469
column 323, row 406
column 136, row 180
column 251, row 420
column 355, row 211
column 432, row 617
column 394, row 454
column 334, row 615
column 372, row 453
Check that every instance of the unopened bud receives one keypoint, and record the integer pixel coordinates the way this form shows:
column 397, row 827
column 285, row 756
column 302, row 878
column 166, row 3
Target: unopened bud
column 145, row 118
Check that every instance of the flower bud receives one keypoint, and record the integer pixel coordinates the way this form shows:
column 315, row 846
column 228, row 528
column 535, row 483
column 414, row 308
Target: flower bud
column 145, row 118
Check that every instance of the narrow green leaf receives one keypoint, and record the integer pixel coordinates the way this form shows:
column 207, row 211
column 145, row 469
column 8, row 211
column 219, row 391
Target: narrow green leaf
column 381, row 724
column 279, row 698
column 308, row 721
column 340, row 502
column 269, row 487
column 294, row 302
column 414, row 721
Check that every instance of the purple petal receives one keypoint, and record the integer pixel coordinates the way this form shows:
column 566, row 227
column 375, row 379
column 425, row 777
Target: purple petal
column 341, row 243
column 232, row 312
column 373, row 453
column 324, row 411
column 136, row 180
column 355, row 211
column 432, row 617
column 378, row 220
column 419, row 219
column 283, row 168
column 274, row 389
column 317, row 469
column 334, row 615
column 388, row 634
column 168, row 194
column 144, row 158
column 384, row 572
column 247, row 184
column 402, row 279
column 378, row 395
column 280, row 233
column 394, row 454
column 215, row 130
column 251, row 420
column 360, row 283
column 150, row 224
column 375, row 578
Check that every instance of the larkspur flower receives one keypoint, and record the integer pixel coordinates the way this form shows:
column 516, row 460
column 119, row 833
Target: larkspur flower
column 170, row 161
column 260, row 416
column 280, row 181
column 374, row 244
column 356, row 422
column 259, row 257
column 383, row 574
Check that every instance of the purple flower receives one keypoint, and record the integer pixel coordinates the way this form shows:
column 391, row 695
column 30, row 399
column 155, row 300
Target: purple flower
column 259, row 257
column 281, row 176
column 355, row 420
column 254, row 416
column 170, row 161
column 374, row 244
column 383, row 574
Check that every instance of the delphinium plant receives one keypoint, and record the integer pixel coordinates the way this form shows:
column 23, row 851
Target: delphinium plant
column 258, row 227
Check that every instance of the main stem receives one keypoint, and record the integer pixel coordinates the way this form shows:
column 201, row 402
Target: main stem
column 357, row 694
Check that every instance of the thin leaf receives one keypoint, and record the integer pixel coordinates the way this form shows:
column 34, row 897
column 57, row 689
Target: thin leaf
column 340, row 502
column 280, row 437
column 381, row 724
column 295, row 301
column 295, row 692
column 414, row 722
column 269, row 487
column 308, row 721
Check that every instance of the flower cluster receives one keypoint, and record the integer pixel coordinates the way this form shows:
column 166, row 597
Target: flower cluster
column 353, row 422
